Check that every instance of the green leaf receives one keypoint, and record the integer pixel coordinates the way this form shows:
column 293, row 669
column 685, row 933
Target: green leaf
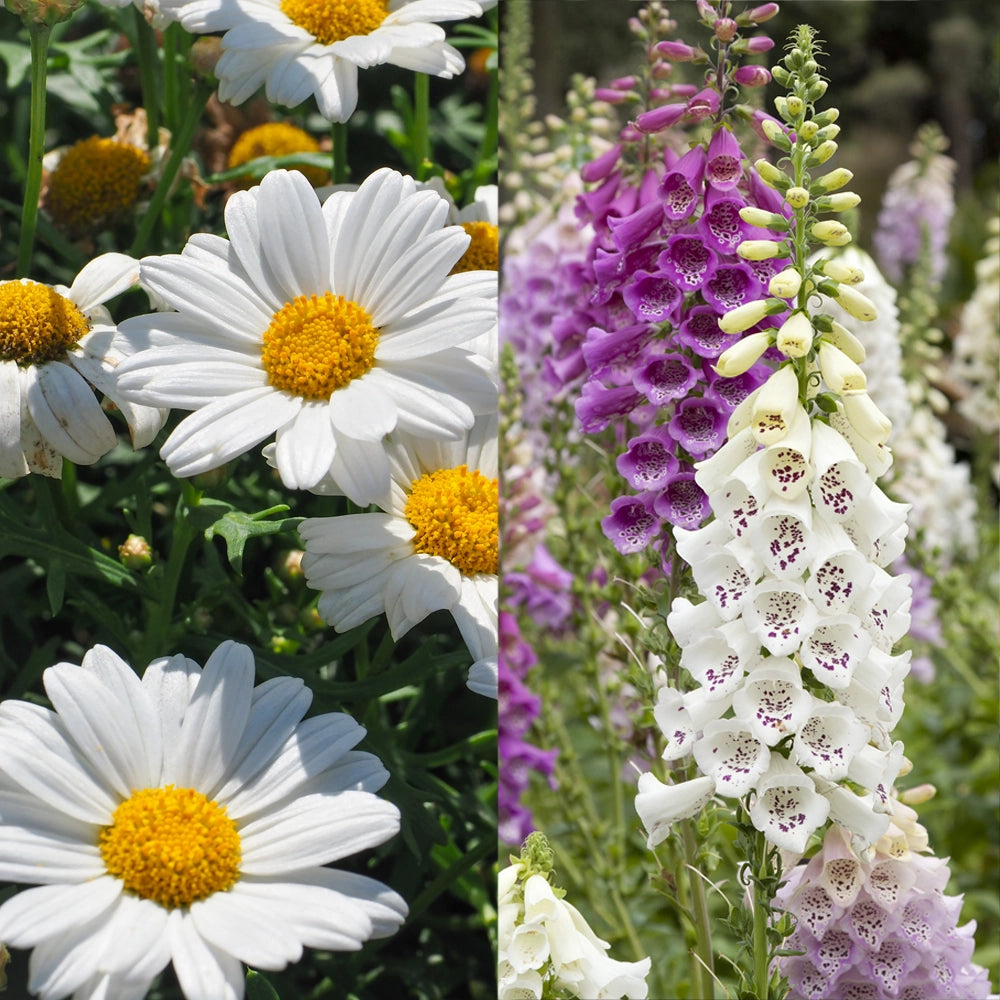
column 258, row 988
column 18, row 60
column 237, row 528
column 55, row 584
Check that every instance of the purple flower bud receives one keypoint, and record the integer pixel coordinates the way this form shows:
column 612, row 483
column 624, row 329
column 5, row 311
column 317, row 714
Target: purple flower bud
column 763, row 13
column 677, row 51
column 598, row 170
column 630, row 231
column 683, row 89
column 760, row 43
column 725, row 29
column 623, row 83
column 703, row 105
column 752, row 76
column 660, row 118
column 610, row 96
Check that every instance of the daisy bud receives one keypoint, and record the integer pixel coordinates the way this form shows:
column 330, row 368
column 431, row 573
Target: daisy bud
column 771, row 175
column 842, row 272
column 785, row 284
column 858, row 305
column 797, row 197
column 840, row 373
column 866, row 418
column 821, row 153
column 742, row 355
column 759, row 249
column 743, row 317
column 830, row 233
column 135, row 553
column 841, row 202
column 775, row 406
column 795, row 337
column 763, row 219
column 843, row 339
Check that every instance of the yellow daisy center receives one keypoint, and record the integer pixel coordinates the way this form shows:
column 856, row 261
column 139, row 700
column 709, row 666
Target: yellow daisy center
column 172, row 845
column 484, row 250
column 94, row 181
column 277, row 139
column 454, row 512
column 316, row 345
column 330, row 21
column 37, row 323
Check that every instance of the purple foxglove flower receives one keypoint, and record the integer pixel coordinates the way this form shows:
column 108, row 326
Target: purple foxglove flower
column 682, row 502
column 725, row 160
column 698, row 425
column 597, row 405
column 599, row 169
column 664, row 378
column 660, row 118
column 631, row 231
column 631, row 525
column 680, row 188
column 687, row 261
column 699, row 331
column 653, row 298
column 720, row 224
column 703, row 105
column 730, row 392
column 732, row 755
column 649, row 461
column 731, row 286
column 611, row 352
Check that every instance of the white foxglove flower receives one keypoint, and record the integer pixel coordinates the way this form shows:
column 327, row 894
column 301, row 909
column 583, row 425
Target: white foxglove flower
column 660, row 805
column 57, row 345
column 733, row 755
column 186, row 817
column 772, row 703
column 300, row 48
column 288, row 328
column 433, row 547
column 786, row 806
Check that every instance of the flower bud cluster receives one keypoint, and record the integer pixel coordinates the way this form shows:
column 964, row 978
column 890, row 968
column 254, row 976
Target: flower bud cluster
column 879, row 925
column 545, row 944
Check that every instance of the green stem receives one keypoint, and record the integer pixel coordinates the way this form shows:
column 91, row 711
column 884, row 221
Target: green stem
column 761, row 972
column 703, row 970
column 421, row 125
column 36, row 144
column 147, row 54
column 171, row 100
column 181, row 142
column 341, row 170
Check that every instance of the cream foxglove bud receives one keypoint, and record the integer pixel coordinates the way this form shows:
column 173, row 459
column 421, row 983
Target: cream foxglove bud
column 771, row 175
column 797, row 197
column 832, row 181
column 807, row 130
column 858, row 305
column 841, row 337
column 775, row 406
column 785, row 284
column 839, row 372
column 833, row 234
column 795, row 337
column 794, row 105
column 742, row 355
column 839, row 271
column 840, row 202
column 776, row 134
column 821, row 153
column 763, row 219
column 917, row 796
column 866, row 418
column 743, row 317
column 759, row 249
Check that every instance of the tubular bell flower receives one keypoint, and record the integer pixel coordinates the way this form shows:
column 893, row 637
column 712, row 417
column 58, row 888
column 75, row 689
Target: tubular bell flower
column 287, row 327
column 57, row 345
column 298, row 48
column 186, row 817
column 434, row 547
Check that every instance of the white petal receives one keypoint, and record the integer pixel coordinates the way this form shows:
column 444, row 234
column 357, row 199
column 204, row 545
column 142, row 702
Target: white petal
column 12, row 463
column 204, row 972
column 363, row 409
column 360, row 470
column 660, row 805
column 103, row 278
column 51, row 910
column 305, row 447
column 240, row 925
column 170, row 683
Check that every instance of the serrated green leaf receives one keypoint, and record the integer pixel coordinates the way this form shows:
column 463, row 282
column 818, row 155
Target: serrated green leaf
column 237, row 528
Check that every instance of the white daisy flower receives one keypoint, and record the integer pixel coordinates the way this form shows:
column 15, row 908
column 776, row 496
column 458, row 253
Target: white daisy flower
column 298, row 48
column 57, row 345
column 434, row 547
column 330, row 325
column 186, row 817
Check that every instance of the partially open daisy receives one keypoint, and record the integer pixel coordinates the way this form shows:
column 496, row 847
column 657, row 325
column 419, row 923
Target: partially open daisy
column 435, row 547
column 331, row 325
column 184, row 817
column 294, row 48
column 57, row 345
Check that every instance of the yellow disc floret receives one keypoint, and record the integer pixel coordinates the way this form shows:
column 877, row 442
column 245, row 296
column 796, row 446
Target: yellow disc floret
column 484, row 250
column 37, row 324
column 454, row 512
column 172, row 845
column 318, row 344
column 277, row 139
column 330, row 21
column 96, row 180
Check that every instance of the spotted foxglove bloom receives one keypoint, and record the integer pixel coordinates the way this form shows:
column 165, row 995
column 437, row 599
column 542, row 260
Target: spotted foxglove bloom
column 187, row 817
column 878, row 926
column 57, row 345
column 547, row 947
column 301, row 48
column 433, row 547
column 331, row 326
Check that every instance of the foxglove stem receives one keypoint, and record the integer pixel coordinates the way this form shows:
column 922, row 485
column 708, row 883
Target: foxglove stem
column 703, row 971
column 39, row 34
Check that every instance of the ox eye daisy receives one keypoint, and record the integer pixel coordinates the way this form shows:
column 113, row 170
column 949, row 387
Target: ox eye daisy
column 433, row 547
column 298, row 48
column 329, row 326
column 187, row 817
column 57, row 345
